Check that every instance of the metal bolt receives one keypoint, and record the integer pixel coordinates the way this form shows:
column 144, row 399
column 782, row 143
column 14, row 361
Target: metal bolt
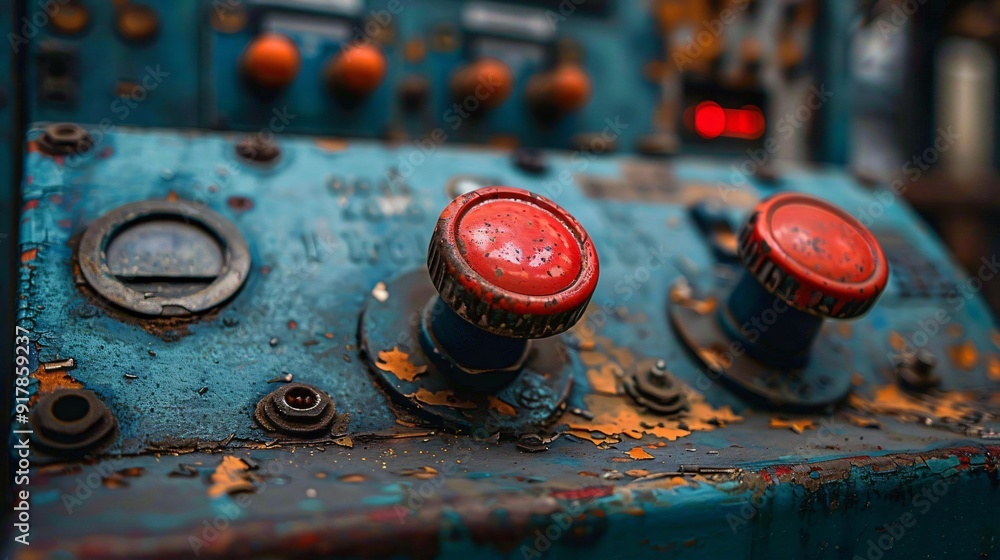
column 296, row 409
column 257, row 148
column 63, row 139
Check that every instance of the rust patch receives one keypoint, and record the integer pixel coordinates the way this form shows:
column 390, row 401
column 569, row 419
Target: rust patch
column 231, row 476
column 993, row 367
column 52, row 376
column 897, row 341
column 29, row 255
column 398, row 363
column 964, row 355
column 353, row 478
column 616, row 416
column 441, row 398
column 681, row 295
column 798, row 425
column 332, row 144
column 501, row 406
column 637, row 473
column 423, row 473
column 890, row 399
column 861, row 421
column 639, row 454
column 604, row 380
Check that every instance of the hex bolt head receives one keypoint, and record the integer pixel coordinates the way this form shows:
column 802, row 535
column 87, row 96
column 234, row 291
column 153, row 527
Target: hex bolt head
column 296, row 409
column 652, row 386
column 63, row 139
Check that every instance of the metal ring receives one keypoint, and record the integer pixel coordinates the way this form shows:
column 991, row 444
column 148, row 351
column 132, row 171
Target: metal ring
column 92, row 258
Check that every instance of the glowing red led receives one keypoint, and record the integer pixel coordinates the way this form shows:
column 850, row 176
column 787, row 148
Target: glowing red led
column 712, row 120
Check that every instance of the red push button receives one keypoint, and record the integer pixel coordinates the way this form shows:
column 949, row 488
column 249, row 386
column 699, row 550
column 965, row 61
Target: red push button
column 512, row 263
column 815, row 256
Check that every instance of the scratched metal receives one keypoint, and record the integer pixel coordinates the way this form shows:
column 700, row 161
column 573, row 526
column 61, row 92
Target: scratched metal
column 324, row 227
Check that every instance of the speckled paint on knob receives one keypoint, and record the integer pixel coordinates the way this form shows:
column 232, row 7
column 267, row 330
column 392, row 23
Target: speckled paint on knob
column 814, row 255
column 512, row 262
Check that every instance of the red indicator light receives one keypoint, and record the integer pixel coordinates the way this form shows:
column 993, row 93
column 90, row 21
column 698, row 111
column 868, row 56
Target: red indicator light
column 711, row 121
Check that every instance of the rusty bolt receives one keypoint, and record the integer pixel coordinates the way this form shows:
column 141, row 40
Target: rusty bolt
column 652, row 386
column 63, row 139
column 70, row 421
column 917, row 371
column 259, row 149
column 296, row 409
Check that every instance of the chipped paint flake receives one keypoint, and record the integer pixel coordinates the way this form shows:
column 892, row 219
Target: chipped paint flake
column 796, row 425
column 639, row 454
column 440, row 398
column 398, row 363
column 231, row 476
column 380, row 292
column 964, row 355
column 500, row 406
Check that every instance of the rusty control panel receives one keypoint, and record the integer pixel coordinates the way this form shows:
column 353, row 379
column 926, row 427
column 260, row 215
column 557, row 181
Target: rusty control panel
column 297, row 323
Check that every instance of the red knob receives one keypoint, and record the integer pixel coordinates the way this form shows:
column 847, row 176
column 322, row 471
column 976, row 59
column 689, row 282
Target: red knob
column 814, row 256
column 513, row 263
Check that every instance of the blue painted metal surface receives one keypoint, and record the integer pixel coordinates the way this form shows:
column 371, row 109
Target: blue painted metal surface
column 326, row 225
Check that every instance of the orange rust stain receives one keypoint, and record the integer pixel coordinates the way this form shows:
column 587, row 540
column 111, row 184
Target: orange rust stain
column 897, row 341
column 993, row 367
column 623, row 356
column 29, row 255
column 332, row 144
column 964, row 355
column 702, row 307
column 796, row 425
column 172, row 196
column 441, row 398
column 500, row 406
column 49, row 381
column 30, row 205
column 845, row 330
column 353, row 478
column 955, row 329
column 398, row 363
column 636, row 473
column 615, row 417
column 590, row 358
column 717, row 359
column 422, row 473
column 415, row 51
column 861, row 421
column 231, row 476
column 890, row 399
column 857, row 380
column 995, row 337
column 639, row 454
column 604, row 380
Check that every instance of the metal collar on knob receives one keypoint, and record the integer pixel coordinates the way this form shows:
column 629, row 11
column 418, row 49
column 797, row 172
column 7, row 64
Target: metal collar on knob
column 512, row 263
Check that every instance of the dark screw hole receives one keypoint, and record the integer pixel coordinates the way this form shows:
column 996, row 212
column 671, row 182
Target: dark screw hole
column 70, row 408
column 300, row 398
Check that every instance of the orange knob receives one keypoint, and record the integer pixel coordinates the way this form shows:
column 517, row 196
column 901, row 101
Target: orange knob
column 271, row 61
column 357, row 71
column 560, row 91
column 489, row 81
